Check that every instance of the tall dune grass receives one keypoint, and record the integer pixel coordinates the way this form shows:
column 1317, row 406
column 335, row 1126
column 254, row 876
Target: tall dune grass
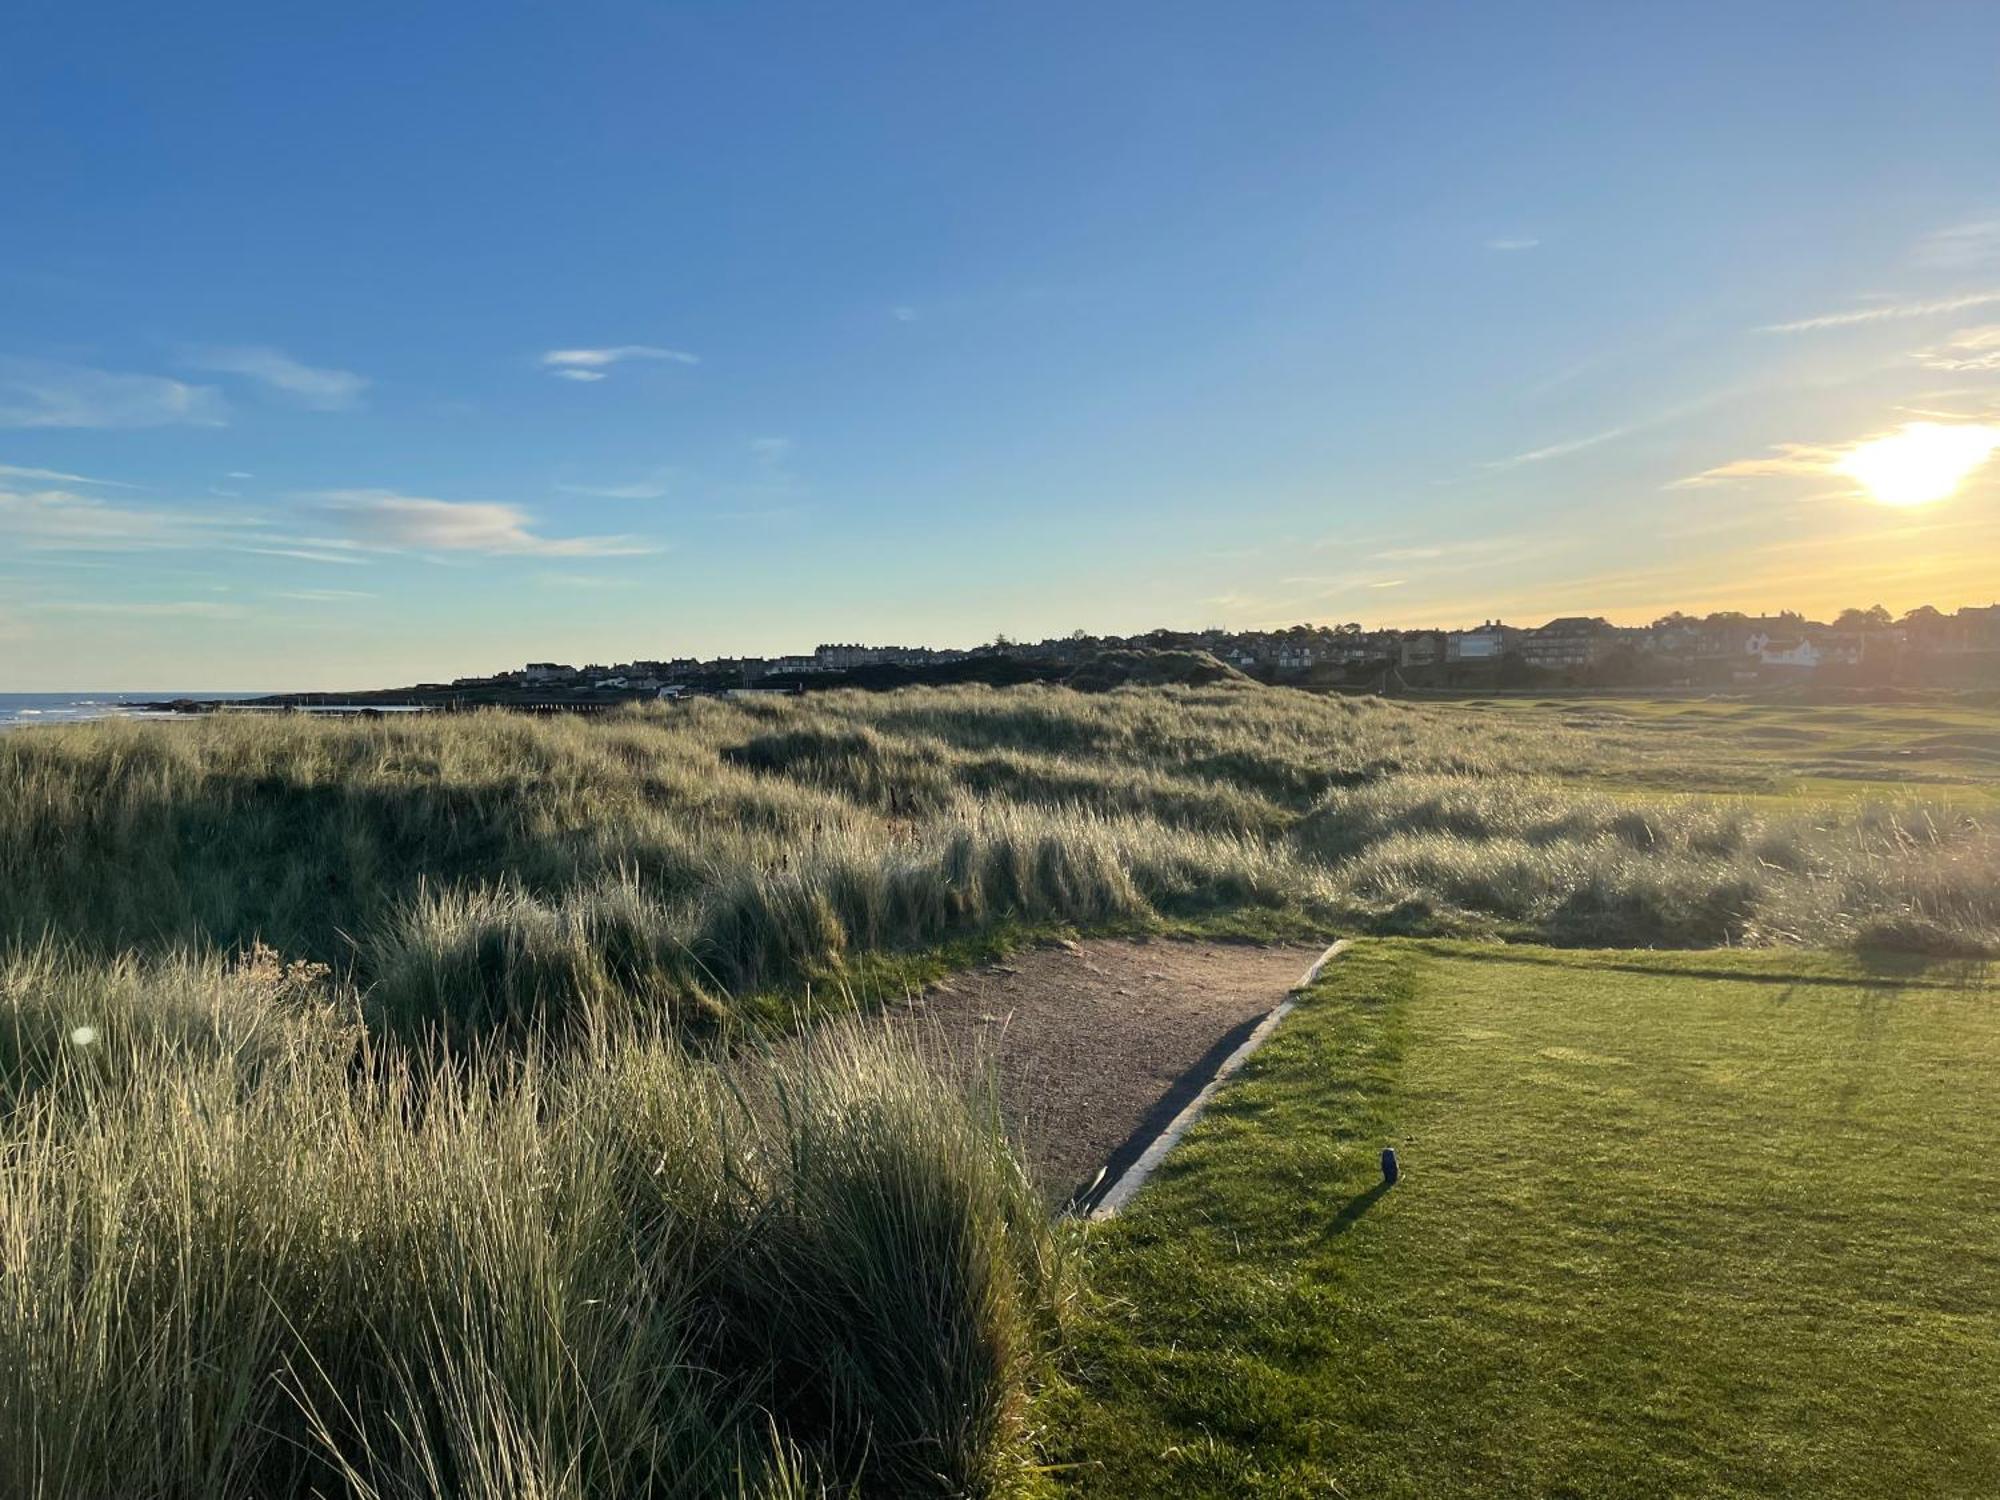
column 500, row 872
column 1543, row 858
column 228, row 1268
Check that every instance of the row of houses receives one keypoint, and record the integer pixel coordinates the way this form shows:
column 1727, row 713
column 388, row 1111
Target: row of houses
column 1574, row 643
column 648, row 676
column 1721, row 644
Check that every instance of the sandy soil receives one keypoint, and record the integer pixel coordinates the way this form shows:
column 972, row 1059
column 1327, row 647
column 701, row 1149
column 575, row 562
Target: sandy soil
column 1096, row 1045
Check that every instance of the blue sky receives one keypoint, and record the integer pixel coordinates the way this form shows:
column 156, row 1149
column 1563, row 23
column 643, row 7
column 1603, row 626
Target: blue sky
column 366, row 343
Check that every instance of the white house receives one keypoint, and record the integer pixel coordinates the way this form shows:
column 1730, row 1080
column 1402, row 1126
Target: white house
column 1782, row 650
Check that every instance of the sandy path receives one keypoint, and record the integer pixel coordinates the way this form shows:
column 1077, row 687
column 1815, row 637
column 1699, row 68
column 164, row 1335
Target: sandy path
column 1097, row 1045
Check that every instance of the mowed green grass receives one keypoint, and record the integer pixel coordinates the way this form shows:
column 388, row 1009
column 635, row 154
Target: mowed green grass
column 1696, row 1224
column 1764, row 750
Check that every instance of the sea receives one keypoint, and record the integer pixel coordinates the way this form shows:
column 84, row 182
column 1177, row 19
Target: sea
column 20, row 709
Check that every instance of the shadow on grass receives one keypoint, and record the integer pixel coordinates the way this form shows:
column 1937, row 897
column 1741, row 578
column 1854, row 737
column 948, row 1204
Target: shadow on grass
column 1159, row 1117
column 1350, row 1212
column 1886, row 969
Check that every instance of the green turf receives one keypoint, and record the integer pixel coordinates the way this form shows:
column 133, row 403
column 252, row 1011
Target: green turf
column 1947, row 752
column 1672, row 1224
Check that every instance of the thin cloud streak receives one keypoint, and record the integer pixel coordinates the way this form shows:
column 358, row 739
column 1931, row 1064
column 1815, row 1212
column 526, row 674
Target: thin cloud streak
column 643, row 489
column 1562, row 450
column 1850, row 459
column 589, row 365
column 395, row 522
column 1970, row 350
column 56, row 476
column 190, row 608
column 306, row 554
column 1884, row 314
column 38, row 394
column 1960, row 248
column 1784, row 460
column 57, row 520
column 308, row 386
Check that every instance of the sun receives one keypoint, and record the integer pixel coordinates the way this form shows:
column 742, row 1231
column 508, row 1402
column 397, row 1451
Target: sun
column 1922, row 462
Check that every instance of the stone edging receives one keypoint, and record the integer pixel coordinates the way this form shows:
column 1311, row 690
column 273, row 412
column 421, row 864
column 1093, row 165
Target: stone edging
column 1134, row 1178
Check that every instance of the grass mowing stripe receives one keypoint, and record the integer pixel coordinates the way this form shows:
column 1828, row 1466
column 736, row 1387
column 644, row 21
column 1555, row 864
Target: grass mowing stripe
column 1715, row 1224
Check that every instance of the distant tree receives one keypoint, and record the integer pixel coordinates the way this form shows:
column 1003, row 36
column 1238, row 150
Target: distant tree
column 1619, row 665
column 1873, row 618
column 1923, row 617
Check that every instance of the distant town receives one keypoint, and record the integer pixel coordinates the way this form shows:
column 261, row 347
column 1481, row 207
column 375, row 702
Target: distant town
column 1923, row 648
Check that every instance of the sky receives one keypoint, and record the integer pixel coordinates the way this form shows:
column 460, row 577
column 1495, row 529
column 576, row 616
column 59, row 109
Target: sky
column 372, row 343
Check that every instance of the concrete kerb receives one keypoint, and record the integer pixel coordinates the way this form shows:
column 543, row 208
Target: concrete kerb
column 1135, row 1175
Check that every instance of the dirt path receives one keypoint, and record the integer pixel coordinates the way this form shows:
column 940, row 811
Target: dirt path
column 1097, row 1045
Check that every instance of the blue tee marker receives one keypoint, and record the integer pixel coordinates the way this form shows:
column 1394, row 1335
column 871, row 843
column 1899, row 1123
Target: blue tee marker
column 1390, row 1170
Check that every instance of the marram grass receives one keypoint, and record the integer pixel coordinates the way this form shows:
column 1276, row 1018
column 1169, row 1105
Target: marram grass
column 505, row 869
column 234, row 1264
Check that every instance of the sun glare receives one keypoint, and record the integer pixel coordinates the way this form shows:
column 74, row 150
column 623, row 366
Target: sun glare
column 1925, row 461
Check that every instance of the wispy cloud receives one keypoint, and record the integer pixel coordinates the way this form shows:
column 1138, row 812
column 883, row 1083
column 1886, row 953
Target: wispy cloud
column 323, row 596
column 1917, row 462
column 203, row 609
column 385, row 519
column 588, row 582
column 59, row 520
column 1780, row 461
column 36, row 393
column 56, row 476
column 592, row 364
column 1513, row 242
column 1563, row 449
column 903, row 314
column 307, row 385
column 1885, row 312
column 1962, row 247
column 1970, row 349
column 653, row 487
column 313, row 550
